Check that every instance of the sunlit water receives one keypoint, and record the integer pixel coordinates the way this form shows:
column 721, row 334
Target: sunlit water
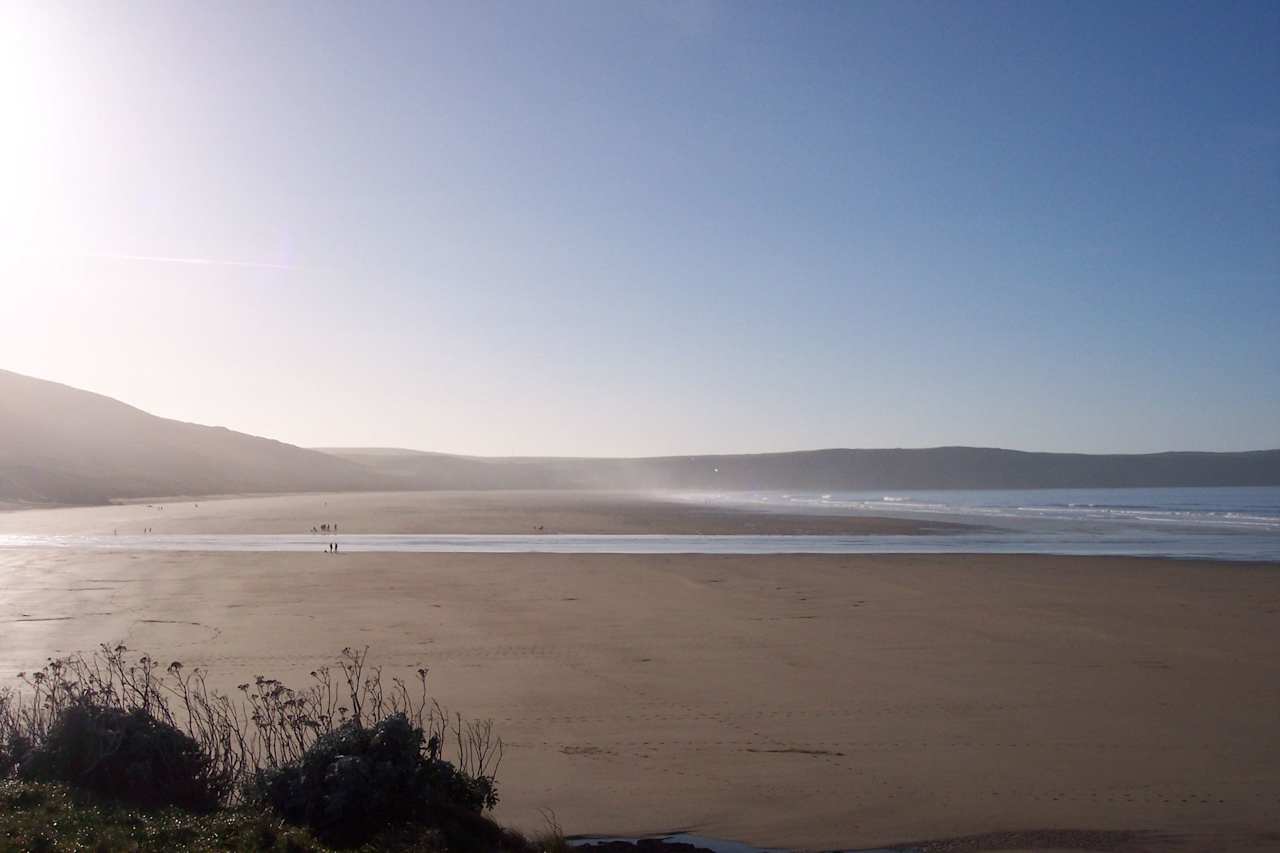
column 1228, row 509
column 1225, row 524
column 1200, row 546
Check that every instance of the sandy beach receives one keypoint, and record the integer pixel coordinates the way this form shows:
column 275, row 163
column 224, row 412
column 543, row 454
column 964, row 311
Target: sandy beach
column 795, row 701
column 448, row 512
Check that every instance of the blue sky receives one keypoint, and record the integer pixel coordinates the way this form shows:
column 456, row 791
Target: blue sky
column 653, row 228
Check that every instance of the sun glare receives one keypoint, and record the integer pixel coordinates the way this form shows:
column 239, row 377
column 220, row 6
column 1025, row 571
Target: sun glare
column 41, row 128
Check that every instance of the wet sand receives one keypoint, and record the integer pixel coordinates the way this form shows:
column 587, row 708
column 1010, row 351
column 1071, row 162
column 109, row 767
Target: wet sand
column 810, row 701
column 447, row 512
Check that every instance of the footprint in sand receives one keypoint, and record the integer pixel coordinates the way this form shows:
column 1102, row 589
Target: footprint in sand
column 169, row 633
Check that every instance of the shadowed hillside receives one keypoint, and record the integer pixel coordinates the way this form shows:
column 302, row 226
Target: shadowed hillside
column 829, row 470
column 62, row 445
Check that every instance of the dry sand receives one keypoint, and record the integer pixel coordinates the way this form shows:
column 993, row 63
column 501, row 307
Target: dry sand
column 808, row 701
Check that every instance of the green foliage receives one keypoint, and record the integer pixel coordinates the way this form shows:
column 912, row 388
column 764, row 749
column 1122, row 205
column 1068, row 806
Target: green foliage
column 357, row 779
column 106, row 723
column 14, row 747
column 49, row 817
column 354, row 760
column 57, row 818
column 128, row 755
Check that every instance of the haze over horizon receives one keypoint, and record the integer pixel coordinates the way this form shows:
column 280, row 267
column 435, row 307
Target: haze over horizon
column 663, row 229
column 17, row 413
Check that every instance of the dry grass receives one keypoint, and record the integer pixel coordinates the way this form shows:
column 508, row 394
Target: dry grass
column 268, row 725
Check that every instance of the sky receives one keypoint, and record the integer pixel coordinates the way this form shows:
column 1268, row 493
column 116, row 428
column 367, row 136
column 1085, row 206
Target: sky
column 647, row 228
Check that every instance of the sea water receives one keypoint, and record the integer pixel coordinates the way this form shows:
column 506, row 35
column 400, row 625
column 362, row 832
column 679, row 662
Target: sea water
column 1238, row 509
column 1264, row 548
column 1204, row 523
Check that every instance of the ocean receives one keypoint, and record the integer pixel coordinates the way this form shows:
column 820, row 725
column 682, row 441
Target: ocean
column 1191, row 523
column 1238, row 509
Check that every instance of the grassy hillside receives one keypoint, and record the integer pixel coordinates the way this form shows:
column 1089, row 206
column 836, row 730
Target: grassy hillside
column 63, row 445
column 828, row 470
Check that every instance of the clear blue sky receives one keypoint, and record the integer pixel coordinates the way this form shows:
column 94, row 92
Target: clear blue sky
column 606, row 228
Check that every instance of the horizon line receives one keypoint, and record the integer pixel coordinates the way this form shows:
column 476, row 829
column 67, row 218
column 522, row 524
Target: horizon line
column 333, row 449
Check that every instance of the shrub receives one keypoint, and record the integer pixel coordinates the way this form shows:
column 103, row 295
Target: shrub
column 56, row 817
column 105, row 723
column 125, row 728
column 459, row 789
column 352, row 781
column 356, row 780
column 124, row 755
column 14, row 747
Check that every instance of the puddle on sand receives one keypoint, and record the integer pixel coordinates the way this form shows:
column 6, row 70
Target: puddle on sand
column 681, row 842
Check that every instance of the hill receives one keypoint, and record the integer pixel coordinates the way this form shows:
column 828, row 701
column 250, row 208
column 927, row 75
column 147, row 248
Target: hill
column 62, row 445
column 828, row 470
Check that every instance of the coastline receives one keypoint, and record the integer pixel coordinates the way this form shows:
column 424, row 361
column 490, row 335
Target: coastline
column 446, row 512
column 570, row 522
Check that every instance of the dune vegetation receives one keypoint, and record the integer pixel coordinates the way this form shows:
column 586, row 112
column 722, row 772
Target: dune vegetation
column 112, row 751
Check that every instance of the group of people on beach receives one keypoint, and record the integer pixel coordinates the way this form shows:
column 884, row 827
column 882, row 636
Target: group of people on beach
column 332, row 547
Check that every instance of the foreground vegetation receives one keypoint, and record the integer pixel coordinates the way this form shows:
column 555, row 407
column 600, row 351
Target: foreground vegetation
column 36, row 816
column 109, row 752
column 42, row 817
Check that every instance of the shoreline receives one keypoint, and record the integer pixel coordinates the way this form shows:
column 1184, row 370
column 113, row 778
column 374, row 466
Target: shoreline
column 565, row 522
column 447, row 512
column 603, row 545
